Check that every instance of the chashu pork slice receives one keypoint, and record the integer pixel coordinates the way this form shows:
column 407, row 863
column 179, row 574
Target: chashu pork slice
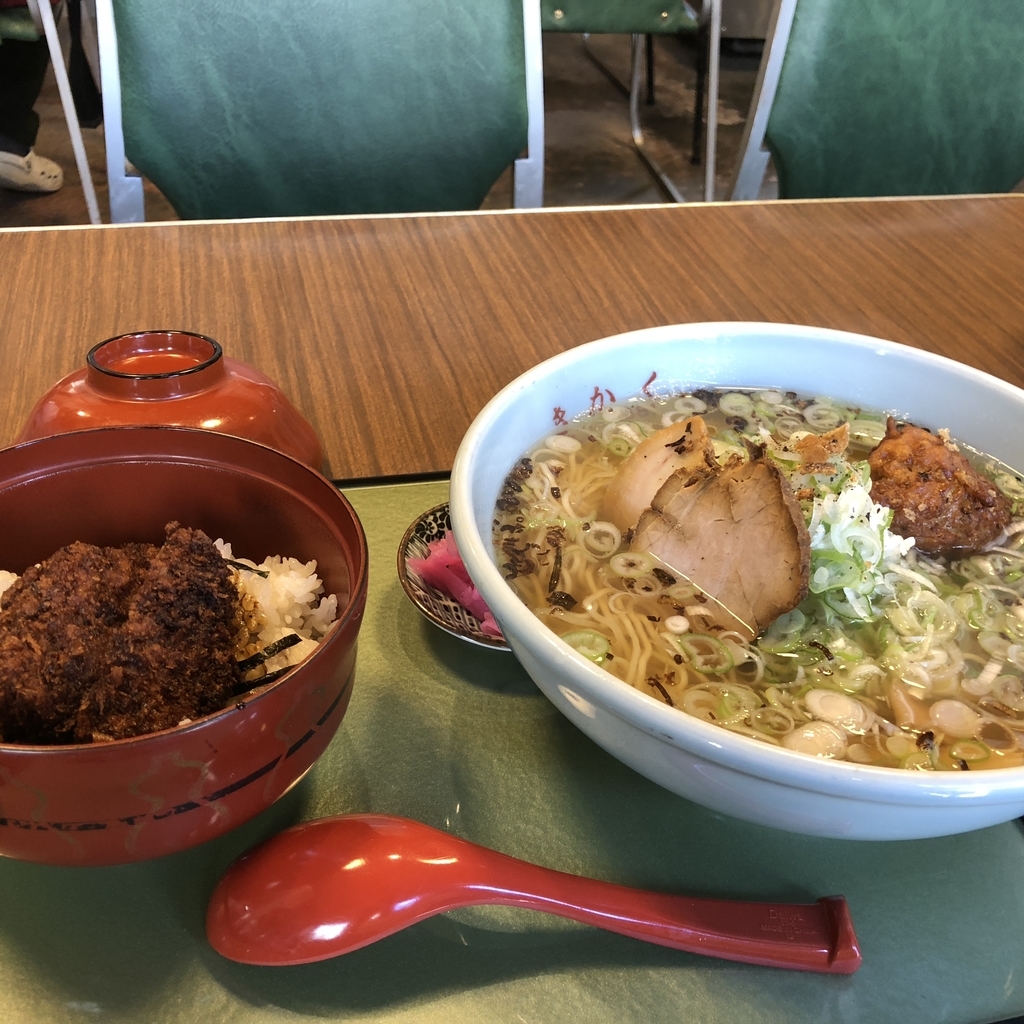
column 683, row 447
column 739, row 535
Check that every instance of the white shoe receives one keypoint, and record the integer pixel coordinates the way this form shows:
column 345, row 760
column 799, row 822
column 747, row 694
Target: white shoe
column 32, row 173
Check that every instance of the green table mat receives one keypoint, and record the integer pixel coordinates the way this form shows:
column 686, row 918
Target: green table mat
column 459, row 737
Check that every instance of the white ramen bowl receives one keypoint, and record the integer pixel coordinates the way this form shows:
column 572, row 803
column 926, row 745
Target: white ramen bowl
column 701, row 762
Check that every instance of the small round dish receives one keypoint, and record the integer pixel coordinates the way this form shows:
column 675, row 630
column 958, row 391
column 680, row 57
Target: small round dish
column 443, row 611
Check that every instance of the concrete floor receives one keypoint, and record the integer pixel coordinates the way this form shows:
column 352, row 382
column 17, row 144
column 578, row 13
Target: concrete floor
column 588, row 155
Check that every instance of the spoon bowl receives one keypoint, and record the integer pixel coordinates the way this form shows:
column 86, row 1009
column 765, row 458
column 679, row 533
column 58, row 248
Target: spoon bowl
column 333, row 885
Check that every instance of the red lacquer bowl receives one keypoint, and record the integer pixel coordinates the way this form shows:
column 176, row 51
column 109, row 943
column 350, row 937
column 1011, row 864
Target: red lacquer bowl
column 133, row 799
column 173, row 378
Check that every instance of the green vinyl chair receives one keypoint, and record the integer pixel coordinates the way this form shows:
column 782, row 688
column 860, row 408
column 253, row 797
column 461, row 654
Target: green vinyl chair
column 642, row 19
column 888, row 97
column 317, row 107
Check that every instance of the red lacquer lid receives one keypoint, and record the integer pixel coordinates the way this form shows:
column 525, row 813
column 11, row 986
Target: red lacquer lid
column 173, row 378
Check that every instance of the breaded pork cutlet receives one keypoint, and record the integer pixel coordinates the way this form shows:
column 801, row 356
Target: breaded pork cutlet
column 105, row 643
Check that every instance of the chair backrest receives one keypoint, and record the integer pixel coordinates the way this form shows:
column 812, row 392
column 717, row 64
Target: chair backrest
column 312, row 107
column 618, row 16
column 889, row 97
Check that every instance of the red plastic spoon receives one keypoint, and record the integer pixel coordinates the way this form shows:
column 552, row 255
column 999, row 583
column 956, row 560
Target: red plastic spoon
column 333, row 885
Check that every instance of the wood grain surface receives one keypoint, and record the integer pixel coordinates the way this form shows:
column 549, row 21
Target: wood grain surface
column 390, row 333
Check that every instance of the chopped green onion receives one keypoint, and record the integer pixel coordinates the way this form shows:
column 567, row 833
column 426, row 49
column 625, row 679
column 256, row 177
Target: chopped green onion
column 563, row 443
column 919, row 760
column 631, row 563
column 822, row 416
column 614, row 413
column 589, row 643
column 970, row 751
column 786, row 426
column 772, row 720
column 732, row 403
column 831, row 570
column 1010, row 485
column 864, row 430
column 819, row 739
column 601, row 538
column 847, row 604
column 647, row 585
column 1008, row 690
column 725, row 448
column 689, row 405
column 707, row 654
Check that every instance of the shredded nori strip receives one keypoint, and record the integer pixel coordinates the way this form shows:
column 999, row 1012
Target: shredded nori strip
column 661, row 689
column 821, row 647
column 269, row 651
column 509, row 499
column 682, row 446
column 248, row 568
column 663, row 577
column 562, row 600
column 250, row 684
column 556, row 570
column 520, row 562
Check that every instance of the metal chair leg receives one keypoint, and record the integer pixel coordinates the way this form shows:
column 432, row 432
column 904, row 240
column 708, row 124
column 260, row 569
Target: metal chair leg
column 528, row 171
column 753, row 160
column 661, row 179
column 649, row 54
column 711, row 132
column 709, row 68
column 127, row 197
column 44, row 14
column 698, row 99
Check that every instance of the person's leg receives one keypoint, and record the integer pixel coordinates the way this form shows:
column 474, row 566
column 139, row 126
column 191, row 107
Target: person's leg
column 22, row 70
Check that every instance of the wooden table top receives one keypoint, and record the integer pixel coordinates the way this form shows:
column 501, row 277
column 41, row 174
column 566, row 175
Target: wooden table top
column 390, row 333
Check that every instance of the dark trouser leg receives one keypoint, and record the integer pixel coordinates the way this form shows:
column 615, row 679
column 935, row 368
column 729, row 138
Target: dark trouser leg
column 22, row 70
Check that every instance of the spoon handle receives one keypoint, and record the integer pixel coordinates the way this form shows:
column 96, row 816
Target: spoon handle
column 809, row 937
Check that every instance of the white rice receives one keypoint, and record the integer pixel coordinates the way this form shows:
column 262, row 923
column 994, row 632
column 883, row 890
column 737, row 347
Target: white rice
column 290, row 601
